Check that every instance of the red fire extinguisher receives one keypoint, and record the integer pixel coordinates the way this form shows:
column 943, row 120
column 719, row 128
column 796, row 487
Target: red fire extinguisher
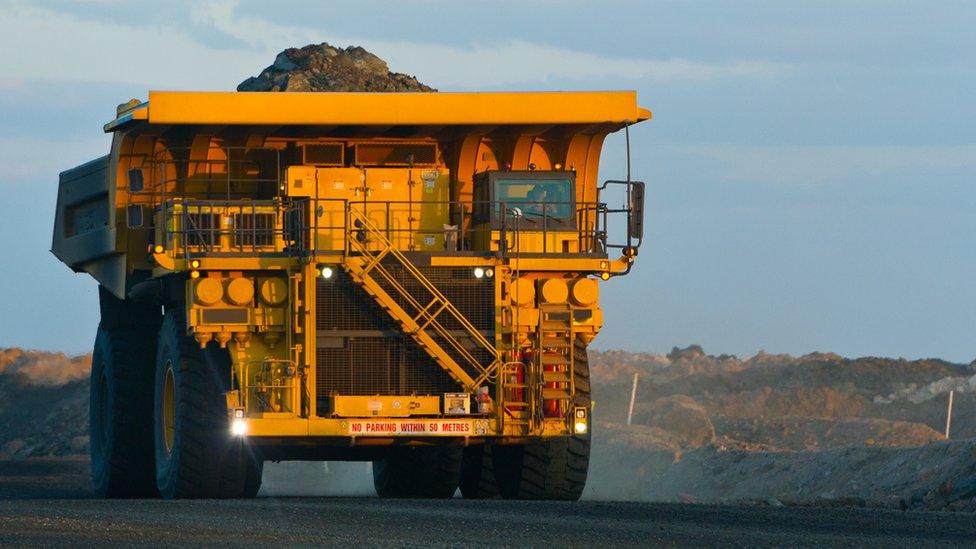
column 517, row 376
column 550, row 406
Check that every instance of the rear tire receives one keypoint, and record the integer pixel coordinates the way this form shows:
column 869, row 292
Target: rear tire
column 478, row 473
column 418, row 472
column 120, row 413
column 554, row 469
column 196, row 455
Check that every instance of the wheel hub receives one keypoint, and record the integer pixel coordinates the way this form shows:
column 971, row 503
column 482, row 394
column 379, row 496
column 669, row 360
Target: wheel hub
column 169, row 408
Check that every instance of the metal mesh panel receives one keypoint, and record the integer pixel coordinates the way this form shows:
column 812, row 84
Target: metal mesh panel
column 362, row 351
column 201, row 229
column 395, row 154
column 324, row 154
column 254, row 229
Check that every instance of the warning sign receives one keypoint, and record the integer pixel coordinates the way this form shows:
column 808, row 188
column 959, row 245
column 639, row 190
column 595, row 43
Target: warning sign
column 429, row 427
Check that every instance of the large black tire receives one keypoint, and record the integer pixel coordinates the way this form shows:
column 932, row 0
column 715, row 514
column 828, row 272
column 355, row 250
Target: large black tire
column 478, row 473
column 120, row 409
column 555, row 469
column 196, row 454
column 120, row 412
column 418, row 472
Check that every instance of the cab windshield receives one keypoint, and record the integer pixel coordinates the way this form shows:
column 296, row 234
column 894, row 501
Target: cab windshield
column 534, row 197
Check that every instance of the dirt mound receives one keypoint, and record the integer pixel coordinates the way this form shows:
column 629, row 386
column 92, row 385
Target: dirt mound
column 818, row 402
column 43, row 368
column 43, row 403
column 933, row 477
column 810, row 434
column 817, row 386
column 42, row 420
column 680, row 416
column 627, row 458
column 867, row 377
column 324, row 68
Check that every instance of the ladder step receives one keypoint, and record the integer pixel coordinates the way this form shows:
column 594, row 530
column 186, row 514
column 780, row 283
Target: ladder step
column 554, row 360
column 555, row 377
column 556, row 394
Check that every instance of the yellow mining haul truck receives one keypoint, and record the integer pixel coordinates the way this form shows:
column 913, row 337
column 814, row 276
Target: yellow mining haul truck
column 404, row 278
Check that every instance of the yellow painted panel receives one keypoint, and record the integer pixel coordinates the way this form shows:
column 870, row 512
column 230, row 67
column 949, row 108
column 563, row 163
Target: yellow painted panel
column 300, row 180
column 278, row 427
column 395, row 108
column 386, row 406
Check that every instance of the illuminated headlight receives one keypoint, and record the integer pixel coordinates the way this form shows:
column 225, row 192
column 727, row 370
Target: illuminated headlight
column 580, row 426
column 238, row 427
column 489, row 272
column 327, row 272
column 479, row 272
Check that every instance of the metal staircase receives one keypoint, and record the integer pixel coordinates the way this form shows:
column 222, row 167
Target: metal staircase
column 369, row 246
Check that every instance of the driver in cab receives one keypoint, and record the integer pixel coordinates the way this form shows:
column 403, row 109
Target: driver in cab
column 535, row 202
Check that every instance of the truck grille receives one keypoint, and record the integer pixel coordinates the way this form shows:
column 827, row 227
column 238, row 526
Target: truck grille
column 361, row 351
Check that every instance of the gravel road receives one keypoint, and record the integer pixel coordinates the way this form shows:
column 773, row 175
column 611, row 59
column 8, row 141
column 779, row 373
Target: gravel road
column 46, row 502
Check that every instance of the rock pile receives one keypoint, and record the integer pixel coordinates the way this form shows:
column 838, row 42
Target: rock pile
column 781, row 402
column 325, row 68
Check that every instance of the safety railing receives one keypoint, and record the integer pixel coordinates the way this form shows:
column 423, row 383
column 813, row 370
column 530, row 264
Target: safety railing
column 215, row 173
column 305, row 227
column 194, row 228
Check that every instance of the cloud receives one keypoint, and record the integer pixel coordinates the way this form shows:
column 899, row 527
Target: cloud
column 814, row 165
column 56, row 46
column 480, row 65
column 28, row 159
column 168, row 56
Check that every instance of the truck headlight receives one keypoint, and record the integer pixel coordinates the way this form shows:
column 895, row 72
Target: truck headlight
column 238, row 427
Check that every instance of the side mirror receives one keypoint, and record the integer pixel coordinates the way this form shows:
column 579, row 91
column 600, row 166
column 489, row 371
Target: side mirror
column 136, row 182
column 134, row 217
column 635, row 220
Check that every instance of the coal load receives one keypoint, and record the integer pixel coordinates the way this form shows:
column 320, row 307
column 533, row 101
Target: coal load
column 325, row 68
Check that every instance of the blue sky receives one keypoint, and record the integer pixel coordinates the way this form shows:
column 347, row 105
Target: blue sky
column 810, row 165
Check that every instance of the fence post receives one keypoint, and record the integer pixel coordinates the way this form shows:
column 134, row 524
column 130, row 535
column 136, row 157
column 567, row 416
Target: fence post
column 633, row 397
column 949, row 414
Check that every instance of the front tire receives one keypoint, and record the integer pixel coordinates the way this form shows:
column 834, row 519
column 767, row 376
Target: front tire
column 478, row 473
column 196, row 454
column 120, row 413
column 418, row 472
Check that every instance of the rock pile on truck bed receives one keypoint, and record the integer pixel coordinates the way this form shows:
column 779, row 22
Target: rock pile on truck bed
column 325, row 68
